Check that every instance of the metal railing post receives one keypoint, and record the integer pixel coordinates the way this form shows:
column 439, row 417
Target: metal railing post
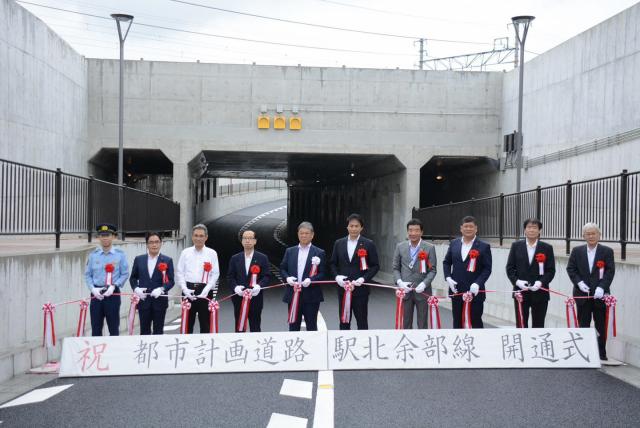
column 624, row 180
column 538, row 202
column 58, row 206
column 501, row 219
column 568, row 201
column 90, row 208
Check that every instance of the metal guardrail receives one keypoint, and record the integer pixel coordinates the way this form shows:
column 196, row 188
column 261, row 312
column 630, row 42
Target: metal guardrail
column 207, row 188
column 38, row 201
column 612, row 202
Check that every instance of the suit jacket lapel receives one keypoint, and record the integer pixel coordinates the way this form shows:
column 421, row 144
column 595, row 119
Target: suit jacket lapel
column 294, row 259
column 145, row 266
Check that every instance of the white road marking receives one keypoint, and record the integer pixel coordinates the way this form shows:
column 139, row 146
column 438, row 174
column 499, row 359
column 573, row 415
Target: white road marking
column 170, row 327
column 176, row 321
column 36, row 396
column 278, row 420
column 297, row 388
column 323, row 413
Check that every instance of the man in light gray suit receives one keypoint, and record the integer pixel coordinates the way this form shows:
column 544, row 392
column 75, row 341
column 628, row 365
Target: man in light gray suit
column 414, row 267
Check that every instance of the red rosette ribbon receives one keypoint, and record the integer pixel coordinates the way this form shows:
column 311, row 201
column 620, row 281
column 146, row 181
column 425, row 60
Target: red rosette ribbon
column 245, row 306
column 206, row 268
column 109, row 268
column 600, row 265
column 345, row 314
column 519, row 299
column 466, row 309
column 315, row 261
column 49, row 328
column 294, row 308
column 423, row 257
column 473, row 257
column 131, row 319
column 82, row 318
column 570, row 311
column 399, row 309
column 214, row 314
column 541, row 258
column 163, row 267
column 254, row 270
column 362, row 255
column 610, row 316
column 185, row 306
column 434, row 313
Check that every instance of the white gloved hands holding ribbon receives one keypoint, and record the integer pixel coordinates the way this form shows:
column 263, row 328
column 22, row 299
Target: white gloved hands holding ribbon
column 188, row 293
column 306, row 282
column 109, row 291
column 421, row 287
column 256, row 290
column 157, row 292
column 452, row 284
column 340, row 280
column 140, row 292
column 404, row 285
column 584, row 287
column 96, row 293
column 291, row 280
column 599, row 293
column 536, row 286
column 522, row 285
column 358, row 282
column 238, row 290
column 474, row 289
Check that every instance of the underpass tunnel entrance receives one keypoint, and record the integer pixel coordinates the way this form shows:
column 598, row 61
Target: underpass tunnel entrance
column 144, row 169
column 447, row 179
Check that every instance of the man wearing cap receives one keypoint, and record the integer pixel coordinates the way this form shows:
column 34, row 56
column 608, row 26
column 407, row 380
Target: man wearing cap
column 197, row 273
column 151, row 279
column 106, row 272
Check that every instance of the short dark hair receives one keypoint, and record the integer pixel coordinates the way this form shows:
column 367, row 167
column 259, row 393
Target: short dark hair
column 415, row 222
column 356, row 217
column 469, row 219
column 532, row 221
column 255, row 236
column 150, row 234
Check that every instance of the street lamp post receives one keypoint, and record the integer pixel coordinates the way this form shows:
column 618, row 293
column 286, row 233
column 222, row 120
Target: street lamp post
column 122, row 36
column 520, row 23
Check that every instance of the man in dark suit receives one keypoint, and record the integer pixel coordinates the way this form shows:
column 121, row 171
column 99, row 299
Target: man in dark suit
column 467, row 266
column 151, row 278
column 297, row 267
column 354, row 261
column 591, row 268
column 531, row 266
column 242, row 267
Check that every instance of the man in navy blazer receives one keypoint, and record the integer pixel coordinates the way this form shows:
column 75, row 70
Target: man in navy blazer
column 347, row 268
column 467, row 267
column 591, row 268
column 149, row 283
column 296, row 267
column 239, row 277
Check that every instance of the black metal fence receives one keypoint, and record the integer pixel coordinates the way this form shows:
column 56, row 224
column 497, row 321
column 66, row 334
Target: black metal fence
column 38, row 201
column 611, row 202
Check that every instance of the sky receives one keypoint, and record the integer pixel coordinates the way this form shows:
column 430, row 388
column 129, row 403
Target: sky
column 292, row 32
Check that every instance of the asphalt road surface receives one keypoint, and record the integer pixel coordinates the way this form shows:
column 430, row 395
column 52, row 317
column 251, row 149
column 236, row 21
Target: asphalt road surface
column 372, row 398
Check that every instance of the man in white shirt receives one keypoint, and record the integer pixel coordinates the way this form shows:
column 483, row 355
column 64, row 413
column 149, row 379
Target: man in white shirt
column 197, row 273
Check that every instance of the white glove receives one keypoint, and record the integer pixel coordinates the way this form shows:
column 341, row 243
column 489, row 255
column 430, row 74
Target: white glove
column 109, row 291
column 358, row 282
column 404, row 285
column 238, row 290
column 340, row 280
column 157, row 292
column 452, row 284
column 188, row 293
column 474, row 289
column 306, row 282
column 522, row 285
column 140, row 293
column 255, row 290
column 291, row 280
column 584, row 287
column 96, row 293
column 599, row 293
column 536, row 286
column 421, row 287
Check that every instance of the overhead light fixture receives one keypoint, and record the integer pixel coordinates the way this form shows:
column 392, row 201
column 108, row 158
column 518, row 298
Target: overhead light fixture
column 439, row 177
column 353, row 174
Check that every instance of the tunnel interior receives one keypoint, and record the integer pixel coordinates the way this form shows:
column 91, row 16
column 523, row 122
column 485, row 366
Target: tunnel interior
column 144, row 169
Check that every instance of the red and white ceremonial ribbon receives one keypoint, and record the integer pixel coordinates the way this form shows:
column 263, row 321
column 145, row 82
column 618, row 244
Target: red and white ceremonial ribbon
column 254, row 270
column 82, row 318
column 131, row 320
column 610, row 316
column 243, row 319
column 473, row 256
column 399, row 309
column 162, row 267
column 315, row 261
column 294, row 308
column 572, row 318
column 362, row 254
column 49, row 330
column 214, row 312
column 520, row 320
column 109, row 268
column 206, row 268
column 600, row 265
column 466, row 309
column 434, row 313
column 185, row 306
column 423, row 257
column 345, row 315
column 541, row 258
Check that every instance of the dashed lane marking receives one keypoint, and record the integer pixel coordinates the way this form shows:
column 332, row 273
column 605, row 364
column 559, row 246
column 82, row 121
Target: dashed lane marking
column 278, row 420
column 297, row 388
column 323, row 413
column 36, row 396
